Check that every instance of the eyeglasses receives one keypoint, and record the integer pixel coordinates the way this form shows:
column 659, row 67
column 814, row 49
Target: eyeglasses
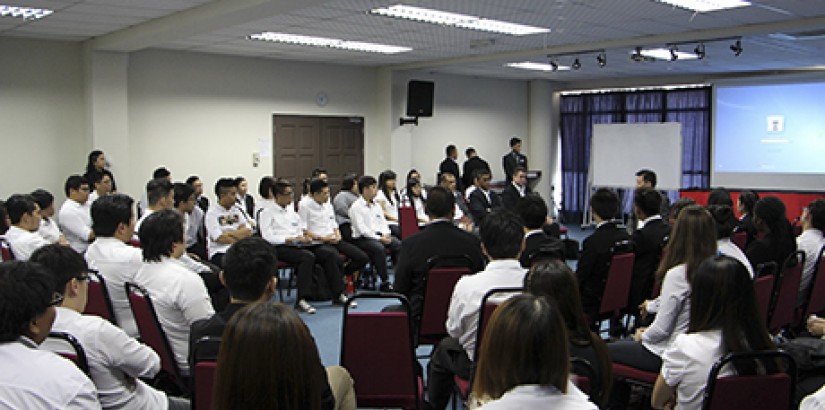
column 57, row 298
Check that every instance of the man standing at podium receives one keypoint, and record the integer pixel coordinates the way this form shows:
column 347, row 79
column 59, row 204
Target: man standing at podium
column 513, row 159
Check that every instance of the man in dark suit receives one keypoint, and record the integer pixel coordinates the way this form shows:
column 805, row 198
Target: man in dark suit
column 471, row 165
column 461, row 215
column 516, row 189
column 597, row 249
column 449, row 165
column 648, row 242
column 538, row 245
column 203, row 201
column 483, row 200
column 439, row 238
column 646, row 178
column 513, row 159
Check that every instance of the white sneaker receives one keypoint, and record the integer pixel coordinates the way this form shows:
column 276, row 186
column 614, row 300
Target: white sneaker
column 305, row 307
column 343, row 300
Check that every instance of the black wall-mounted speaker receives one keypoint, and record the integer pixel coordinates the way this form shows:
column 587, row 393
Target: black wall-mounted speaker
column 420, row 98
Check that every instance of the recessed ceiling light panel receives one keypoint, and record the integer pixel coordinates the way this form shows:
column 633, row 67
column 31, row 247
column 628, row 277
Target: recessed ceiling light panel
column 703, row 6
column 445, row 18
column 27, row 13
column 529, row 65
column 667, row 54
column 328, row 42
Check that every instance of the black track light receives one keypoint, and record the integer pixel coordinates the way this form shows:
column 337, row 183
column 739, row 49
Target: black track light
column 736, row 48
column 700, row 50
column 576, row 64
column 673, row 50
column 601, row 59
column 637, row 55
column 554, row 65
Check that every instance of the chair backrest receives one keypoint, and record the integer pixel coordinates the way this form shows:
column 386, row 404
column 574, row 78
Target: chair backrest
column 815, row 302
column 69, row 347
column 203, row 375
column 763, row 287
column 489, row 303
column 617, row 287
column 98, row 301
column 377, row 350
column 407, row 221
column 768, row 390
column 151, row 331
column 740, row 239
column 786, row 291
column 442, row 275
column 5, row 250
column 584, row 376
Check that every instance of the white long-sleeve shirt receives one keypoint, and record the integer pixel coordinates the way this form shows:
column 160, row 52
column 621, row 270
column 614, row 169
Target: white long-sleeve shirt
column 318, row 219
column 279, row 223
column 674, row 311
column 367, row 220
column 23, row 243
column 49, row 230
column 76, row 223
column 117, row 263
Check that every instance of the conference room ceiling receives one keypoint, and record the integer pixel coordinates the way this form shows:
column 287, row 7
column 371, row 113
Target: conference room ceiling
column 579, row 29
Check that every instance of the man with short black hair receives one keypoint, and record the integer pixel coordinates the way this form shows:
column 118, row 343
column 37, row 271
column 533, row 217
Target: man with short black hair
column 461, row 213
column 646, row 178
column 502, row 236
column 470, row 166
column 482, row 199
column 450, row 164
column 370, row 231
column 811, row 241
column 186, row 202
column 22, row 235
column 538, row 245
column 513, row 159
column 117, row 361
column 203, row 201
column 225, row 222
column 516, row 189
column 178, row 294
column 74, row 218
column 648, row 243
column 34, row 378
column 159, row 195
column 597, row 248
column 343, row 200
column 113, row 222
column 101, row 184
column 48, row 226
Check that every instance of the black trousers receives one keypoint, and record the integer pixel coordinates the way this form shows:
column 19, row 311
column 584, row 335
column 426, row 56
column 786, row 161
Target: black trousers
column 377, row 254
column 357, row 257
column 449, row 359
column 305, row 260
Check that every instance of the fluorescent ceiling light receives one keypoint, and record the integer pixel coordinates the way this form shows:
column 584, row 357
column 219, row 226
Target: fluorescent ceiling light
column 706, row 5
column 328, row 42
column 27, row 13
column 529, row 65
column 457, row 20
column 665, row 54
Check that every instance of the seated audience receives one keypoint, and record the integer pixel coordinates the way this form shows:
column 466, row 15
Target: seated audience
column 113, row 223
column 267, row 199
column 184, row 202
column 268, row 360
column 159, row 173
column 501, row 241
column 73, row 218
column 725, row 224
column 648, row 242
column 203, row 201
column 461, row 213
column 250, row 276
column 538, row 245
column 388, row 199
column 116, row 361
column 515, row 189
column 482, row 199
column 159, row 195
column 811, row 242
column 341, row 203
column 413, row 196
column 404, row 192
column 778, row 242
column 4, row 218
column 673, row 212
column 48, row 226
column 34, row 378
column 178, row 294
column 556, row 281
column 597, row 249
column 747, row 200
column 724, row 318
column 370, row 230
column 720, row 196
column 524, row 362
column 225, row 222
column 245, row 201
column 439, row 239
column 646, row 178
column 22, row 236
column 96, row 165
column 101, row 185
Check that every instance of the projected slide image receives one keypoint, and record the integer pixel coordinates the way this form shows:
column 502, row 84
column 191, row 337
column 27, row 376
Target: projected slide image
column 770, row 128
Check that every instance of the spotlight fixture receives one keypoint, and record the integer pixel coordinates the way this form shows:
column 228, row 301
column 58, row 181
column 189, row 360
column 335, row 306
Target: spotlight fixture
column 674, row 52
column 737, row 48
column 553, row 65
column 637, row 55
column 602, row 59
column 576, row 64
column 700, row 50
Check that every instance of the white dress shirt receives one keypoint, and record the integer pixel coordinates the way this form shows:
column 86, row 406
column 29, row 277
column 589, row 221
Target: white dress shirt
column 279, row 223
column 76, row 223
column 815, row 401
column 49, row 230
column 185, row 259
column 673, row 314
column 318, row 219
column 811, row 242
column 219, row 220
column 390, row 208
column 180, row 298
column 37, row 379
column 537, row 397
column 686, row 365
column 367, row 220
column 23, row 243
column 728, row 248
column 117, row 263
column 462, row 316
column 116, row 362
column 193, row 222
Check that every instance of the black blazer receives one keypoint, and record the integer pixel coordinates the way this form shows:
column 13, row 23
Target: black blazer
column 203, row 203
column 648, row 243
column 746, row 224
column 480, row 207
column 541, row 244
column 436, row 239
column 510, row 161
column 470, row 166
column 510, row 196
column 594, row 263
column 769, row 249
column 450, row 166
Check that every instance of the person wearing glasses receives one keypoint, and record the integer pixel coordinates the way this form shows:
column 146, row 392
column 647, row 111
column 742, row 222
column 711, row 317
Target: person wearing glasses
column 33, row 378
column 74, row 218
column 117, row 362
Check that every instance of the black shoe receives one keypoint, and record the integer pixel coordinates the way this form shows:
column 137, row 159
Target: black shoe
column 386, row 287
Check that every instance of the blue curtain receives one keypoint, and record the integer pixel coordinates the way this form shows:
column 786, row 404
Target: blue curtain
column 691, row 107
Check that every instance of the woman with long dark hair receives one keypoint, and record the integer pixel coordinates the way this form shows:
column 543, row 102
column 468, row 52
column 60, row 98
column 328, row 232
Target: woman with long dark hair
column 555, row 280
column 389, row 200
column 414, row 196
column 724, row 318
column 744, row 205
column 523, row 362
column 725, row 224
column 777, row 242
column 96, row 164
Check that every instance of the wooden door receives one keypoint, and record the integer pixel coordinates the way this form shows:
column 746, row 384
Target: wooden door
column 342, row 148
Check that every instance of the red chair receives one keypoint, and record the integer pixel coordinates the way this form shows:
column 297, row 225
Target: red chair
column 203, row 375
column 377, row 350
column 98, row 301
column 69, row 347
column 815, row 302
column 786, row 291
column 774, row 390
column 289, row 270
column 617, row 287
column 740, row 239
column 407, row 221
column 151, row 332
column 5, row 250
column 440, row 282
column 763, row 287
